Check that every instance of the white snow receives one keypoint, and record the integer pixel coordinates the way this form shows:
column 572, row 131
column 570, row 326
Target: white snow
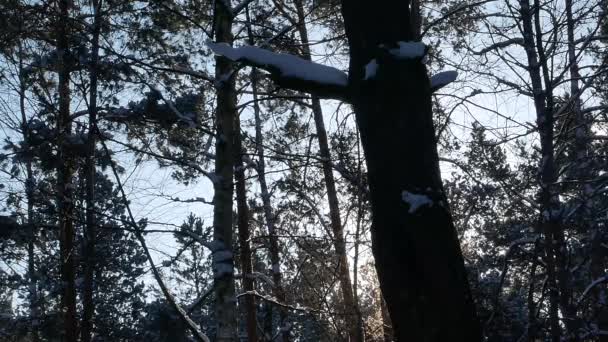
column 415, row 201
column 443, row 78
column 287, row 65
column 408, row 50
column 371, row 69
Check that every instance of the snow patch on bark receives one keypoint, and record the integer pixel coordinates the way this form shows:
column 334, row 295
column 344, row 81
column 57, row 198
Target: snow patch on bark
column 408, row 50
column 416, row 201
column 371, row 69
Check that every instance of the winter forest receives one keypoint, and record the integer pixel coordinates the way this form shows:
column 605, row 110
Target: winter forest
column 303, row 170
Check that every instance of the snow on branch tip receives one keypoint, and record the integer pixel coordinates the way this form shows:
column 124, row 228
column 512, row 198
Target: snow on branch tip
column 442, row 79
column 288, row 70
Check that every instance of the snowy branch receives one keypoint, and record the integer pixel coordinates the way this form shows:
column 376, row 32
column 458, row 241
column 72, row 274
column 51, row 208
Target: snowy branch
column 442, row 79
column 289, row 71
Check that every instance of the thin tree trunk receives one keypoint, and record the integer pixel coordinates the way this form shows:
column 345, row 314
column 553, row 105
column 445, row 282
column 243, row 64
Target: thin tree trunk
column 547, row 222
column 350, row 306
column 29, row 188
column 88, row 302
column 416, row 249
column 223, row 263
column 65, row 173
column 273, row 240
column 244, row 235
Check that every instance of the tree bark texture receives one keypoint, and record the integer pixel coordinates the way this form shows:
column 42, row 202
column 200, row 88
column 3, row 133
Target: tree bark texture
column 223, row 262
column 244, row 236
column 417, row 252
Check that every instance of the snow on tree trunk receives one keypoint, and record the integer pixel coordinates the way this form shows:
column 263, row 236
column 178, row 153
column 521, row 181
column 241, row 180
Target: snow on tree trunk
column 417, row 252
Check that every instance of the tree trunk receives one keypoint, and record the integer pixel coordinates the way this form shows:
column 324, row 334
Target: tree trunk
column 350, row 307
column 223, row 263
column 417, row 252
column 387, row 326
column 65, row 172
column 29, row 189
column 558, row 276
column 90, row 232
column 273, row 240
column 244, row 235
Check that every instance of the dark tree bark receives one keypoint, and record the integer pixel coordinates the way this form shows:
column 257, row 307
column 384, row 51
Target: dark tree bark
column 90, row 233
column 65, row 173
column 417, row 252
column 223, row 263
column 244, row 235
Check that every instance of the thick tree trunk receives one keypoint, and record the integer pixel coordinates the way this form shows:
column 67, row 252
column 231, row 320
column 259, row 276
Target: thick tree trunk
column 350, row 306
column 273, row 240
column 90, row 233
column 65, row 172
column 417, row 252
column 387, row 326
column 244, row 235
column 223, row 263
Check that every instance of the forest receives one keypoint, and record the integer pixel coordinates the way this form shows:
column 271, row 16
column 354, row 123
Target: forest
column 303, row 170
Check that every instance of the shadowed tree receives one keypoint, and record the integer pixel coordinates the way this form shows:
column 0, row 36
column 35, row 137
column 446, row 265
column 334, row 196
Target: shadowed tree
column 417, row 252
